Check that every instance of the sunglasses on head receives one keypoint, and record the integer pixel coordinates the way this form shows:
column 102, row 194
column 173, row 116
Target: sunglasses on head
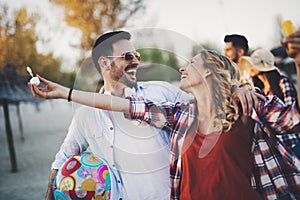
column 128, row 56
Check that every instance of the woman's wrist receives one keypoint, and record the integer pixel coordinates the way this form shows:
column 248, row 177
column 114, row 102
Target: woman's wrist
column 64, row 93
column 247, row 85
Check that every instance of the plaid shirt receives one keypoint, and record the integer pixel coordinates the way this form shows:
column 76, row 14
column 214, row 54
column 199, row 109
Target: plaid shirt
column 288, row 90
column 178, row 117
column 276, row 169
column 289, row 96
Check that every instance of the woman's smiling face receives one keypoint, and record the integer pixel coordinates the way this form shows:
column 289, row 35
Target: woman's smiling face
column 193, row 74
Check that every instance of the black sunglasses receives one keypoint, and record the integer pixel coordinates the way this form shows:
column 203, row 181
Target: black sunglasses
column 128, row 56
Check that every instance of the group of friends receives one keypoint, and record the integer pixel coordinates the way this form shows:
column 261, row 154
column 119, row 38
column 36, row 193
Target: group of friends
column 220, row 136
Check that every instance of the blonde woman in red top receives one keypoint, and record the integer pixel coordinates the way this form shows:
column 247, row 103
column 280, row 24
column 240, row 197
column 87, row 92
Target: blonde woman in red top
column 210, row 146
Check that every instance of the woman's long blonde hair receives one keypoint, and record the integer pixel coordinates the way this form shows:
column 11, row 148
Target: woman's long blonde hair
column 225, row 80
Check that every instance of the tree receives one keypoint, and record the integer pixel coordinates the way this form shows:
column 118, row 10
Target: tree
column 93, row 17
column 158, row 65
column 18, row 46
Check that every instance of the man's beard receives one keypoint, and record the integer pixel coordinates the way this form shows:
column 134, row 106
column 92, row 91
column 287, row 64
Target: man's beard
column 124, row 80
column 236, row 59
column 121, row 77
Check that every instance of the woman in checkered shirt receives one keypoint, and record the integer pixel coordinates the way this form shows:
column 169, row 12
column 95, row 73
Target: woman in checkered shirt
column 211, row 155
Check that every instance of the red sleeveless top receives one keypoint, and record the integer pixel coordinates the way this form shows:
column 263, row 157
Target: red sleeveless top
column 217, row 166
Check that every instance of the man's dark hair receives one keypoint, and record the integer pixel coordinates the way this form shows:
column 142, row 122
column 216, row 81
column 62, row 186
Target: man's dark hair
column 103, row 45
column 238, row 41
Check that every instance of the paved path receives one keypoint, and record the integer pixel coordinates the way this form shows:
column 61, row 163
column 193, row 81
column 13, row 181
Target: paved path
column 44, row 132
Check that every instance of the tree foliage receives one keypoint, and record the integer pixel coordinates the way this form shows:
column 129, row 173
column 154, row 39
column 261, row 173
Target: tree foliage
column 93, row 17
column 158, row 65
column 18, row 45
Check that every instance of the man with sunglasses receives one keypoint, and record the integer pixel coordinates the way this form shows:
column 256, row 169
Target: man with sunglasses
column 139, row 163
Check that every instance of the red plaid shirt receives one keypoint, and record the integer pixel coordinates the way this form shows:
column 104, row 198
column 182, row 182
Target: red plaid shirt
column 178, row 118
column 276, row 169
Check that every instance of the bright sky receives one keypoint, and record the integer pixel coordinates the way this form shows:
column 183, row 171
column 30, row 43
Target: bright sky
column 210, row 20
column 201, row 20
